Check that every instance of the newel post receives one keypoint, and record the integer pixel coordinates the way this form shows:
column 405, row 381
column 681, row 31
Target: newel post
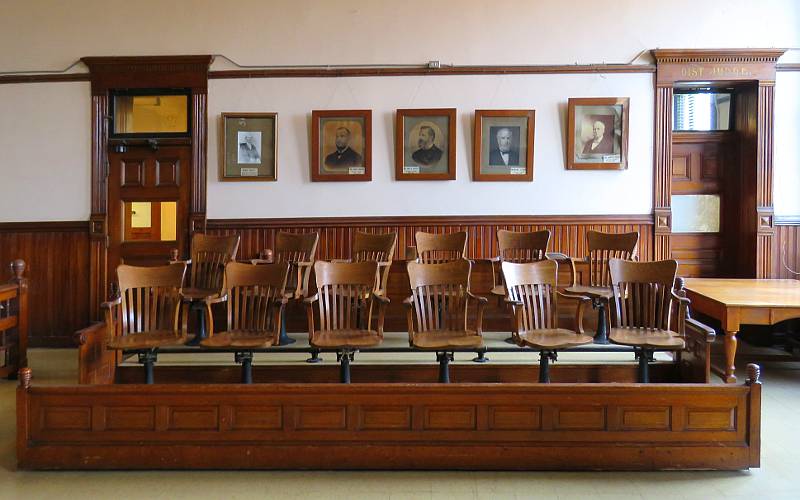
column 17, row 270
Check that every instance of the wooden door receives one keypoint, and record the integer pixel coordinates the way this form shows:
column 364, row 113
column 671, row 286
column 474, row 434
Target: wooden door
column 148, row 197
column 704, row 171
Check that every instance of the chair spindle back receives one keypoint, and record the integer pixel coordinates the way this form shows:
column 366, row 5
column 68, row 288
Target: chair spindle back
column 253, row 291
column 606, row 246
column 150, row 298
column 345, row 294
column 522, row 247
column 533, row 284
column 643, row 292
column 210, row 254
column 295, row 247
column 439, row 248
column 439, row 294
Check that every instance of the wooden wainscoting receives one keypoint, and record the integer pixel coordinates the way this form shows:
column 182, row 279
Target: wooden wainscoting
column 57, row 258
column 336, row 234
column 786, row 250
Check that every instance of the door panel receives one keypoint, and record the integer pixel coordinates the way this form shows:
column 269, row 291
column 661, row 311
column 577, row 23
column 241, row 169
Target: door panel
column 145, row 175
column 700, row 163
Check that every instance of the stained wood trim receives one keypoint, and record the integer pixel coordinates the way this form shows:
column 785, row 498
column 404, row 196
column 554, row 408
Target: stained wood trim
column 46, row 226
column 445, row 220
column 61, row 78
column 717, row 55
column 423, row 71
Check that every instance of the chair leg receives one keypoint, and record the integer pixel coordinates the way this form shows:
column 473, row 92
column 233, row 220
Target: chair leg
column 246, row 359
column 284, row 339
column 344, row 357
column 544, row 365
column 644, row 365
column 481, row 357
column 314, row 357
column 148, row 359
column 444, row 359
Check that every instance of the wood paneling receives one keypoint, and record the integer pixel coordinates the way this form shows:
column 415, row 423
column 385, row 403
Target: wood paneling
column 57, row 258
column 336, row 233
column 476, row 426
column 786, row 250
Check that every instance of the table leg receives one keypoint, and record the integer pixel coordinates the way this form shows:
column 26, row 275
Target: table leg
column 730, row 355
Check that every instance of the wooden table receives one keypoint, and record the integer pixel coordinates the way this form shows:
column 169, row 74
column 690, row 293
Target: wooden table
column 735, row 302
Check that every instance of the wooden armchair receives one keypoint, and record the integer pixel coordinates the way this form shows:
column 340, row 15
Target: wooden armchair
column 644, row 301
column 369, row 247
column 519, row 248
column 210, row 254
column 346, row 297
column 146, row 315
column 438, row 248
column 255, row 300
column 299, row 250
column 437, row 311
column 602, row 247
column 533, row 295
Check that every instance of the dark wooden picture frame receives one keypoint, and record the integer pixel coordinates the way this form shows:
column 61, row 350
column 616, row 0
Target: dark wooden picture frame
column 488, row 160
column 264, row 165
column 612, row 148
column 419, row 119
column 355, row 160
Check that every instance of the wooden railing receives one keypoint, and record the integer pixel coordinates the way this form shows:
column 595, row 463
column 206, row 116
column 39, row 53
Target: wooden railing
column 14, row 322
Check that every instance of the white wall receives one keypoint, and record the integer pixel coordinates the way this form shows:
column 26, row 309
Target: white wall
column 786, row 158
column 38, row 35
column 553, row 191
column 45, row 142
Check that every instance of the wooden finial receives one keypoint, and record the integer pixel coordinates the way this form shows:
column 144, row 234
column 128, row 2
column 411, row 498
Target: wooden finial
column 25, row 377
column 17, row 269
column 680, row 283
column 173, row 255
column 753, row 374
column 266, row 254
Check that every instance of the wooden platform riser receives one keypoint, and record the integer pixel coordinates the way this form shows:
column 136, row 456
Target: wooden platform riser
column 390, row 426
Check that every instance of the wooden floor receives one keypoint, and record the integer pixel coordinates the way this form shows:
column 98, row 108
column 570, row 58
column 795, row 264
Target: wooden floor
column 775, row 479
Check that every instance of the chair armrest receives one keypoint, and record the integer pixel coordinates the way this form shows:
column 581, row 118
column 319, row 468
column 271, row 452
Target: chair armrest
column 311, row 300
column 340, row 261
column 582, row 301
column 513, row 302
column 380, row 298
column 682, row 300
column 302, row 263
column 260, row 261
column 216, row 300
column 187, row 262
column 409, row 301
column 709, row 332
column 556, row 256
column 384, row 263
column 488, row 259
column 481, row 300
column 111, row 303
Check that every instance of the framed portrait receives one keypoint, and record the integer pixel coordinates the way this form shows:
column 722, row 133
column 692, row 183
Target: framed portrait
column 503, row 145
column 425, row 144
column 597, row 133
column 249, row 147
column 341, row 145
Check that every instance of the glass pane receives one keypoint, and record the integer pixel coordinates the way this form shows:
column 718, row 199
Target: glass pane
column 701, row 111
column 139, row 114
column 695, row 213
column 151, row 220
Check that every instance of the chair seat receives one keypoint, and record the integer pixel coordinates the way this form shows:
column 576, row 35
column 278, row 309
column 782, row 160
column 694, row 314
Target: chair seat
column 337, row 339
column 597, row 292
column 552, row 338
column 647, row 338
column 146, row 340
column 199, row 293
column 240, row 338
column 447, row 339
column 499, row 290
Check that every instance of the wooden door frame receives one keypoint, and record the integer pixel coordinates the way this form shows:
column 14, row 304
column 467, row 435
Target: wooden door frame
column 107, row 74
column 716, row 65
